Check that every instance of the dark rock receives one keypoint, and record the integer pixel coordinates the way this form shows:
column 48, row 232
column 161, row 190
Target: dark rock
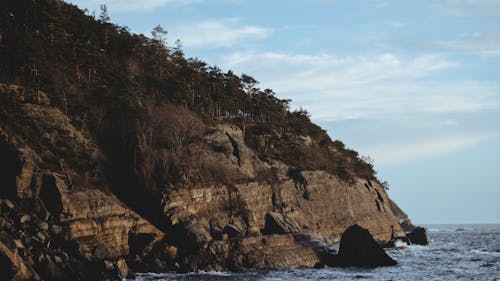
column 56, row 229
column 99, row 252
column 139, row 242
column 193, row 235
column 232, row 231
column 52, row 271
column 418, row 236
column 40, row 236
column 358, row 248
column 277, row 223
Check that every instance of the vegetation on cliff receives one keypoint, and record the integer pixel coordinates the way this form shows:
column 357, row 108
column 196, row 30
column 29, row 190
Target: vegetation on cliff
column 118, row 83
column 119, row 153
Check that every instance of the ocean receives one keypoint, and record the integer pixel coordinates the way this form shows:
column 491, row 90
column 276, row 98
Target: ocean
column 456, row 252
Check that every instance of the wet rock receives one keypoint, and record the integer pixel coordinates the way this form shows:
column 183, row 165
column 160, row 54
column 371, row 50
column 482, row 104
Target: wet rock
column 418, row 236
column 277, row 223
column 358, row 248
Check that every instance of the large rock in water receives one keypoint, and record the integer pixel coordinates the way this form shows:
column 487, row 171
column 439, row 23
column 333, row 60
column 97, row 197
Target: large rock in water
column 418, row 236
column 358, row 248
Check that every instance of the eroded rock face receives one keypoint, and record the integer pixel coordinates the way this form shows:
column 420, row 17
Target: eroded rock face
column 261, row 215
column 358, row 248
column 309, row 201
column 99, row 223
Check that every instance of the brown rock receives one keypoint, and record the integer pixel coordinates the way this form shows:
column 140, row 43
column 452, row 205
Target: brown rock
column 24, row 219
column 7, row 204
column 277, row 223
column 11, row 265
column 122, row 268
column 232, row 231
column 170, row 252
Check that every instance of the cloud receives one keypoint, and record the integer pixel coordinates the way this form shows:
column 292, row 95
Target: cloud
column 398, row 153
column 217, row 33
column 484, row 43
column 378, row 86
column 468, row 8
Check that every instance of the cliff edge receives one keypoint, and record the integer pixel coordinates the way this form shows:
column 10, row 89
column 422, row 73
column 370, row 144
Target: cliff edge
column 120, row 155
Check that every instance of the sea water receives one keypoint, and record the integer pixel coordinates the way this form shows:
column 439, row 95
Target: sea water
column 456, row 252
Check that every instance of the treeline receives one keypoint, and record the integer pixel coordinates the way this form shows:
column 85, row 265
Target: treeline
column 117, row 85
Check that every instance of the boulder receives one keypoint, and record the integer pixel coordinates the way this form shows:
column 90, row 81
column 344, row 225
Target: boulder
column 232, row 231
column 277, row 223
column 359, row 249
column 418, row 236
column 122, row 268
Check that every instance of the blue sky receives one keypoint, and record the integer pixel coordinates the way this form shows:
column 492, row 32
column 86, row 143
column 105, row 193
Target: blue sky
column 413, row 84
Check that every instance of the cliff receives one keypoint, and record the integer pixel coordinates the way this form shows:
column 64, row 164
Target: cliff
column 136, row 159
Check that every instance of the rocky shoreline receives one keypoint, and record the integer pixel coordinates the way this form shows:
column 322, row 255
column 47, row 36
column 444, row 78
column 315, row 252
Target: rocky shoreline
column 54, row 228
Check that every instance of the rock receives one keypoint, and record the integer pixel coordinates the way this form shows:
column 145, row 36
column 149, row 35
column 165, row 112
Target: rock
column 138, row 242
column 12, row 267
column 122, row 268
column 40, row 236
column 418, row 236
column 24, row 219
column 43, row 226
column 277, row 223
column 7, row 204
column 192, row 235
column 358, row 248
column 402, row 217
column 52, row 271
column 232, row 231
column 19, row 244
column 108, row 265
column 170, row 252
column 56, row 229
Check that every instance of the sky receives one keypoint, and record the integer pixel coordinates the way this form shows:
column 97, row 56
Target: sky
column 412, row 84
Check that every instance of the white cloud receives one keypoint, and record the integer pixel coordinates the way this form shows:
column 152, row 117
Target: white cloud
column 217, row 33
column 397, row 153
column 351, row 87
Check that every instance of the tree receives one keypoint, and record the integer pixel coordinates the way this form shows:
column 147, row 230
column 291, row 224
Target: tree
column 104, row 16
column 160, row 34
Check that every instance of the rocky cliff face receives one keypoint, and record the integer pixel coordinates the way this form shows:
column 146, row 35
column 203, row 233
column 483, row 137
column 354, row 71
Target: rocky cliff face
column 59, row 216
